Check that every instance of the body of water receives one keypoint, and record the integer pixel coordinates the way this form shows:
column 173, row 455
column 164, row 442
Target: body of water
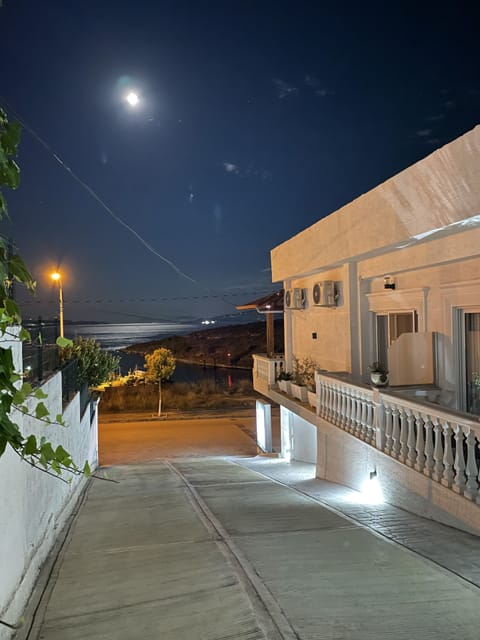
column 118, row 336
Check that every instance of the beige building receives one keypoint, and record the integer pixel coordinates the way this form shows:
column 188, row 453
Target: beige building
column 393, row 276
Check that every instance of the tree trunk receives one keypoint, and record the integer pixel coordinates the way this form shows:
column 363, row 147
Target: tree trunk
column 160, row 397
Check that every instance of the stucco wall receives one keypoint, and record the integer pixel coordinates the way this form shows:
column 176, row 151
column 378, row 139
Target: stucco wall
column 438, row 191
column 331, row 347
column 346, row 460
column 35, row 506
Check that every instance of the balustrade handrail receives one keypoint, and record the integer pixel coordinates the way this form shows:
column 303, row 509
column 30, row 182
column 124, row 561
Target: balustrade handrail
column 264, row 356
column 329, row 378
column 432, row 410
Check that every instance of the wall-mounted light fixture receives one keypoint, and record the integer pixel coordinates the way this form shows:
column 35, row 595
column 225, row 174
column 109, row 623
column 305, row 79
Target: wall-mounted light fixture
column 388, row 282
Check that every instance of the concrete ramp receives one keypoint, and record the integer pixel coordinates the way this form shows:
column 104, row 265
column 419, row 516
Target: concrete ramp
column 210, row 550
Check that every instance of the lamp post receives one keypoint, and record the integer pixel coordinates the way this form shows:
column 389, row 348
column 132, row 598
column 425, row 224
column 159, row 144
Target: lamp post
column 58, row 278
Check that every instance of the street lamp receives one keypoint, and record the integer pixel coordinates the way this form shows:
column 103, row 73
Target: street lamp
column 58, row 278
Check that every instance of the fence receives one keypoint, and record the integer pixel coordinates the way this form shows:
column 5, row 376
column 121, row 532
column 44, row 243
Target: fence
column 40, row 353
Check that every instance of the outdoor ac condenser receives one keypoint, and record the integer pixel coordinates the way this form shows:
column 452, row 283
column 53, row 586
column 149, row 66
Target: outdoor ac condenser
column 294, row 298
column 324, row 294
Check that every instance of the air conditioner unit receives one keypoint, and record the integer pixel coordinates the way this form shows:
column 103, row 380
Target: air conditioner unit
column 323, row 294
column 294, row 298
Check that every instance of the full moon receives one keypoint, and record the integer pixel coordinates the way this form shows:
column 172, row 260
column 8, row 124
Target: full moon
column 132, row 99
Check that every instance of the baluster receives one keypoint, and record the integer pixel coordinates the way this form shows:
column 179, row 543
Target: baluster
column 338, row 417
column 353, row 409
column 420, row 443
column 331, row 398
column 429, row 460
column 412, row 452
column 343, row 407
column 388, row 429
column 471, row 490
column 403, row 435
column 363, row 417
column 348, row 422
column 438, row 452
column 331, row 402
column 335, row 404
column 369, row 437
column 448, row 472
column 327, row 401
column 346, row 412
column 459, row 484
column 395, row 433
column 323, row 399
column 378, row 422
column 358, row 411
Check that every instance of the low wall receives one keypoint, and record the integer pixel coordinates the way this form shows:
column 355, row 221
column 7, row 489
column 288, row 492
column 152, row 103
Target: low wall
column 298, row 437
column 33, row 505
column 344, row 459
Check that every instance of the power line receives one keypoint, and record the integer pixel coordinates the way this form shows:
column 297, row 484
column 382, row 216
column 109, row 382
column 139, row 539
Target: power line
column 108, row 209
column 146, row 300
column 94, row 194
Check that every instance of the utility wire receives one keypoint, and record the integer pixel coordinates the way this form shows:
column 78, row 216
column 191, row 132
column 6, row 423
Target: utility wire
column 144, row 300
column 94, row 194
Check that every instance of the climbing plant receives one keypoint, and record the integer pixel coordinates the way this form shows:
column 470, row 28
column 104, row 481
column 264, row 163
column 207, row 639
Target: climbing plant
column 17, row 397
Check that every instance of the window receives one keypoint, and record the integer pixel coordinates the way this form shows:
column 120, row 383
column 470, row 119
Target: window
column 389, row 327
column 472, row 362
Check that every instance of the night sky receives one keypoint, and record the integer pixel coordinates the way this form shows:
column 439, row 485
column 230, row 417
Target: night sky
column 255, row 120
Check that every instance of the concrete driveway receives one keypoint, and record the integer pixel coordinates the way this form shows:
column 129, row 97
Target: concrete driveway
column 205, row 549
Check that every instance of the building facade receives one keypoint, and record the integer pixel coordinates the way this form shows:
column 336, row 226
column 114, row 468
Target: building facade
column 392, row 277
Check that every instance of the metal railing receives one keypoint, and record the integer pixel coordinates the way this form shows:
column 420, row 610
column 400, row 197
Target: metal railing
column 40, row 353
column 39, row 361
column 69, row 381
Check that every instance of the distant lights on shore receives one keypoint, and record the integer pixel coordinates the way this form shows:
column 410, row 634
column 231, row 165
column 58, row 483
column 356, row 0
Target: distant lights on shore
column 208, row 321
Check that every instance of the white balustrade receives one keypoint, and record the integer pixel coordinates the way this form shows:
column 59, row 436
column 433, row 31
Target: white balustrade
column 268, row 369
column 442, row 445
column 439, row 444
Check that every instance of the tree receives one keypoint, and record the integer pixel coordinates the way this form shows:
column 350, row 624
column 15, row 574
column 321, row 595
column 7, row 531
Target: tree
column 159, row 366
column 94, row 363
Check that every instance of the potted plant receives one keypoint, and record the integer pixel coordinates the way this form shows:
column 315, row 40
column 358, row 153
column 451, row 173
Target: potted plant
column 299, row 383
column 284, row 378
column 378, row 374
column 309, row 368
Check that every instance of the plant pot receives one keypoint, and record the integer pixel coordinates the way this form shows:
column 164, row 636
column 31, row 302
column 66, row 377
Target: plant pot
column 312, row 399
column 378, row 379
column 298, row 391
column 284, row 385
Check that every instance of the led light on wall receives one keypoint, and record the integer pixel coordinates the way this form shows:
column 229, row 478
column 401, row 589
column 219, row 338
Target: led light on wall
column 388, row 282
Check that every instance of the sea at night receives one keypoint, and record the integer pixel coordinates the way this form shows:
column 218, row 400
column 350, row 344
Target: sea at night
column 117, row 336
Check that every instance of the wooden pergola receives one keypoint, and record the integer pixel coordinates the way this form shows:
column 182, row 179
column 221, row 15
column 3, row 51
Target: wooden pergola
column 269, row 305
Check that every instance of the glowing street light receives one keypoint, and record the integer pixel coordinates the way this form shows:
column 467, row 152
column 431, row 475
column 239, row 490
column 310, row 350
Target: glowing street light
column 56, row 277
column 132, row 99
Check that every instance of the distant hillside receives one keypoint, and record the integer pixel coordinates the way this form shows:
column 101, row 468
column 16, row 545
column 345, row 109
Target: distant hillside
column 233, row 345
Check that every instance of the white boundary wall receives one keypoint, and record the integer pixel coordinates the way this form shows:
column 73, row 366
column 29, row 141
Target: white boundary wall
column 298, row 437
column 33, row 505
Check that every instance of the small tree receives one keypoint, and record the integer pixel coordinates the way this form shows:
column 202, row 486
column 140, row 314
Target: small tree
column 159, row 366
column 94, row 363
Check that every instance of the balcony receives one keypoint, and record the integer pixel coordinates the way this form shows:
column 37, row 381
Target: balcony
column 440, row 444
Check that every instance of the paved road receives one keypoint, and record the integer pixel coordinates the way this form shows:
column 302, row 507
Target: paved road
column 206, row 549
column 142, row 439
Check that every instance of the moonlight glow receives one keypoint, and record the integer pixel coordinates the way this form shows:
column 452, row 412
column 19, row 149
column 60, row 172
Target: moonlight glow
column 132, row 99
